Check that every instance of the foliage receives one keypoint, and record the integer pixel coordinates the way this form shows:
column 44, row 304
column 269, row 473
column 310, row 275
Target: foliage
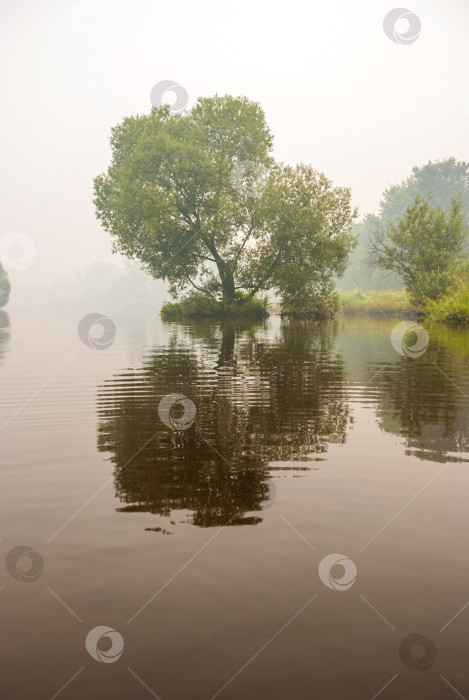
column 383, row 301
column 5, row 287
column 320, row 305
column 452, row 307
column 198, row 305
column 444, row 179
column 424, row 246
column 169, row 200
column 358, row 273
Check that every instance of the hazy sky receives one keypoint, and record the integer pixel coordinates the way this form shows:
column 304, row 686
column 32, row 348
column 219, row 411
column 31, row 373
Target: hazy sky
column 337, row 92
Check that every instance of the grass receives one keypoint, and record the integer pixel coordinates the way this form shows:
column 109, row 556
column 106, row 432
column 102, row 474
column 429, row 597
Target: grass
column 197, row 305
column 356, row 302
column 376, row 301
column 452, row 307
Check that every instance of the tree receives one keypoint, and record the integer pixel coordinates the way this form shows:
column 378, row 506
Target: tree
column 358, row 274
column 424, row 246
column 5, row 287
column 199, row 200
column 444, row 179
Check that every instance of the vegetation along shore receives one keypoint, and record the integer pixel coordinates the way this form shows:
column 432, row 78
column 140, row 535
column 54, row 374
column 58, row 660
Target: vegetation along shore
column 202, row 204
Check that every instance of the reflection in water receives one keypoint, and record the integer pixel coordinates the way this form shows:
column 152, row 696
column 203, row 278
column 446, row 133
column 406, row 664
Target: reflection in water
column 4, row 333
column 262, row 404
column 424, row 399
column 269, row 402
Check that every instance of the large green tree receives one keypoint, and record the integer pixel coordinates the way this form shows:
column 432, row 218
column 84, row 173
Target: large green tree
column 5, row 287
column 199, row 200
column 425, row 246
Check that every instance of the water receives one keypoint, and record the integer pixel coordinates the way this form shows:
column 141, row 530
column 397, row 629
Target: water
column 201, row 546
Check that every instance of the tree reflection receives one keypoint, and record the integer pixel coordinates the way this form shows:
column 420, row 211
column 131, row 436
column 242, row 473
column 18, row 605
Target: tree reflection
column 425, row 399
column 262, row 405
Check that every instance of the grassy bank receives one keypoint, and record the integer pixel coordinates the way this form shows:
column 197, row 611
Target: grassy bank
column 452, row 307
column 199, row 306
column 388, row 301
column 376, row 301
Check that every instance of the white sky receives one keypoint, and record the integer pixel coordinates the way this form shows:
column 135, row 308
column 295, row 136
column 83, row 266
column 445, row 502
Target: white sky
column 336, row 91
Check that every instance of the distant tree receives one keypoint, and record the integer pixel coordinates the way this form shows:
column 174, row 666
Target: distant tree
column 198, row 199
column 425, row 246
column 443, row 179
column 359, row 275
column 5, row 287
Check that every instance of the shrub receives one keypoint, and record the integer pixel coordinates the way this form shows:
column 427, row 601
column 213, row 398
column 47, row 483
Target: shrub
column 5, row 287
column 452, row 307
column 198, row 305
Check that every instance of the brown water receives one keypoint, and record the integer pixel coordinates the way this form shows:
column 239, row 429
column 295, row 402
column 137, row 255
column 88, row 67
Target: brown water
column 201, row 546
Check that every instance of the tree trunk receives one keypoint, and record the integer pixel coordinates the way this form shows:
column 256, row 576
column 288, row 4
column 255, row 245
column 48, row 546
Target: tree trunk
column 227, row 282
column 226, row 275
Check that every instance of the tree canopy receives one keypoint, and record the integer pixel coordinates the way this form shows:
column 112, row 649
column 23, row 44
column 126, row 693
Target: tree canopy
column 200, row 201
column 5, row 287
column 442, row 179
column 424, row 246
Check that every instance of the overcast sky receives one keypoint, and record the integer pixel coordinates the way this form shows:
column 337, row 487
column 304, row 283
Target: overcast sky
column 337, row 92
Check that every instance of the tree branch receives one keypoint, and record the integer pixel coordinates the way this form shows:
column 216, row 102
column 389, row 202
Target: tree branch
column 250, row 230
column 260, row 284
column 205, row 257
column 201, row 289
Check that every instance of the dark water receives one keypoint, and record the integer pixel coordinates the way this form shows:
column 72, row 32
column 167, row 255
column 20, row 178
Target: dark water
column 199, row 541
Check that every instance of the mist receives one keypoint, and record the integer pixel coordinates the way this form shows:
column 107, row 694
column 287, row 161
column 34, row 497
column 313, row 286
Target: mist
column 337, row 95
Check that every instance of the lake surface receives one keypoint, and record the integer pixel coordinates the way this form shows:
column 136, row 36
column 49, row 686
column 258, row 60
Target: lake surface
column 200, row 531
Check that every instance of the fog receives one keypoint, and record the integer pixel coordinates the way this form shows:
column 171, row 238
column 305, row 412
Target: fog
column 336, row 91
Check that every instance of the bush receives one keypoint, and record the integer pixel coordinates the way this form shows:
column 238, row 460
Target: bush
column 198, row 305
column 314, row 306
column 430, row 285
column 5, row 287
column 452, row 307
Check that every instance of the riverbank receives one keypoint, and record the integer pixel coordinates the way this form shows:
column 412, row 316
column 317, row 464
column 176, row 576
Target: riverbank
column 388, row 302
column 450, row 308
column 377, row 301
